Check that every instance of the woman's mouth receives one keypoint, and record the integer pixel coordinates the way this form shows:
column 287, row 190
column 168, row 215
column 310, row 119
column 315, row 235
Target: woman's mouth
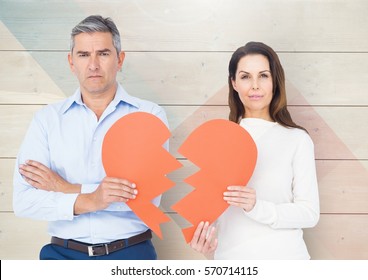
column 255, row 97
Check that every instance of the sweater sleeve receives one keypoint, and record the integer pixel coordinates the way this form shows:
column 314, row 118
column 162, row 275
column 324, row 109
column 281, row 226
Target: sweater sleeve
column 303, row 210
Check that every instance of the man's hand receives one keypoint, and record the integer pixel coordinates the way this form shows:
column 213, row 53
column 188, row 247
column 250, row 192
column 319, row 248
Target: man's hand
column 114, row 190
column 41, row 177
column 109, row 191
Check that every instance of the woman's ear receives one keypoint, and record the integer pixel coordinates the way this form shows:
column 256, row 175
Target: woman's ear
column 233, row 82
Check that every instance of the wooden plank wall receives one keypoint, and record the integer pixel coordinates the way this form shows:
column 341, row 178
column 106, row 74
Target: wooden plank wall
column 177, row 55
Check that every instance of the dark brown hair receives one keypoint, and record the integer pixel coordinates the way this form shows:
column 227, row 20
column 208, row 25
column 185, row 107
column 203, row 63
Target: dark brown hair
column 278, row 107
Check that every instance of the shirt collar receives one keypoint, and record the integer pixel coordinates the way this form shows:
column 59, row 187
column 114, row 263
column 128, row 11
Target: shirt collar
column 120, row 96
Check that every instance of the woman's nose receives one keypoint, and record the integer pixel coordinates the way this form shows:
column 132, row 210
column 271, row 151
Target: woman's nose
column 255, row 84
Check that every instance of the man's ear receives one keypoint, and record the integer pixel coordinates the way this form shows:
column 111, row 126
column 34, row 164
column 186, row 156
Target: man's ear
column 121, row 57
column 70, row 60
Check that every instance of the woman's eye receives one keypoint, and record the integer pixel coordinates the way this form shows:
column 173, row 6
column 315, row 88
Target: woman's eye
column 264, row 76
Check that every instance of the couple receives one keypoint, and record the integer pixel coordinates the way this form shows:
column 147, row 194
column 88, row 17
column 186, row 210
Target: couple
column 59, row 175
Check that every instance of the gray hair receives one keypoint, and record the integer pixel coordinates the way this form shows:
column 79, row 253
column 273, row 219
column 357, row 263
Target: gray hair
column 96, row 23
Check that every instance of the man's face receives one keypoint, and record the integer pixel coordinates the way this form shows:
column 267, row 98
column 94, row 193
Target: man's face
column 95, row 62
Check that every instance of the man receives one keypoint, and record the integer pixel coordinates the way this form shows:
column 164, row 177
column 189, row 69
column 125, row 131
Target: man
column 59, row 175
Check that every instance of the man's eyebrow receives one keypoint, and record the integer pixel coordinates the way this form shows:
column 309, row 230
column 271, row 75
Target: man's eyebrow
column 98, row 51
column 82, row 52
column 104, row 50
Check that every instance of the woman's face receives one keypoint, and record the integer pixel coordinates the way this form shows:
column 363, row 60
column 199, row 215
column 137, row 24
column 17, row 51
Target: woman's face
column 253, row 82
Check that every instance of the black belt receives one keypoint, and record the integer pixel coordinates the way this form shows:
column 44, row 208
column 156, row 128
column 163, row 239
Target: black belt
column 94, row 250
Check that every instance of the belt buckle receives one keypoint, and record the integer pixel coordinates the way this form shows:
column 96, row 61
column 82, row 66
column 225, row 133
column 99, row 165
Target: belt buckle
column 91, row 250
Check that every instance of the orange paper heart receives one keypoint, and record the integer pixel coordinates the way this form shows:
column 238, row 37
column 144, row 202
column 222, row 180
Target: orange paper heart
column 226, row 155
column 132, row 149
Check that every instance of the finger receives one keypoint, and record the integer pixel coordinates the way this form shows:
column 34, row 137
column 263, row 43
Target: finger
column 238, row 204
column 33, row 183
column 242, row 200
column 236, row 188
column 122, row 194
column 118, row 187
column 233, row 195
column 29, row 175
column 200, row 236
column 235, row 199
column 209, row 239
column 111, row 197
column 241, row 189
column 248, row 206
column 124, row 189
column 214, row 245
column 203, row 235
column 214, row 242
column 37, row 165
column 197, row 233
column 250, row 195
column 31, row 169
column 120, row 181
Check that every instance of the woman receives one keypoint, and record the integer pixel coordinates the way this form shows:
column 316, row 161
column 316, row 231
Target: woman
column 266, row 217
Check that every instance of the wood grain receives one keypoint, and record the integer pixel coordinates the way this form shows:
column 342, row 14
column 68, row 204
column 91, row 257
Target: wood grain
column 177, row 54
column 190, row 25
column 191, row 78
column 21, row 239
column 343, row 185
column 331, row 128
column 339, row 237
column 335, row 237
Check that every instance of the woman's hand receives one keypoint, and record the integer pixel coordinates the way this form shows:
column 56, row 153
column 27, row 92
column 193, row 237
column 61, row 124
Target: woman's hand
column 204, row 240
column 244, row 197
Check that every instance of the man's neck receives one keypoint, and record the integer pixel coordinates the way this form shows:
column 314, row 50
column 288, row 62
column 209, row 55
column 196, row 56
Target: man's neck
column 98, row 102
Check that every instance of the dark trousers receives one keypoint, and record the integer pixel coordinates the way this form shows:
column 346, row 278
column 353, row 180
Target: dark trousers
column 140, row 251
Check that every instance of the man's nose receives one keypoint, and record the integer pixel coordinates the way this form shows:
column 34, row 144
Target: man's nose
column 94, row 63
